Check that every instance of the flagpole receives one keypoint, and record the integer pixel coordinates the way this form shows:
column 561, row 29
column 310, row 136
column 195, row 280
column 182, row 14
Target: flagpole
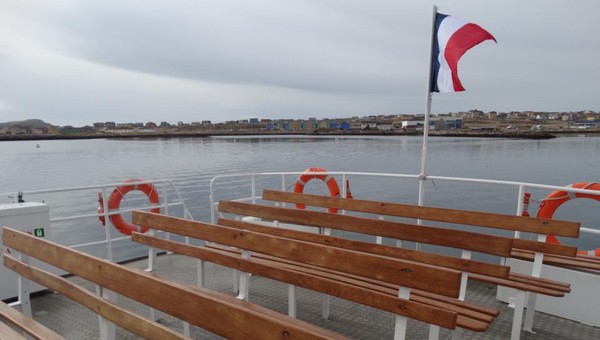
column 423, row 174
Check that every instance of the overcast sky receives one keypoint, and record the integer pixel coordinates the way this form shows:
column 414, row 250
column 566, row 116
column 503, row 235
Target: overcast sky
column 74, row 62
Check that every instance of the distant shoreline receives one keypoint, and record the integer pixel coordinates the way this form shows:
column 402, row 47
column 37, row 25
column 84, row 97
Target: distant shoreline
column 447, row 133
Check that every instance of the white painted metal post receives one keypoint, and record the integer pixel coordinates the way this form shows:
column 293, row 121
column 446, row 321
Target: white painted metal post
column 401, row 321
column 108, row 330
column 434, row 332
column 423, row 173
column 292, row 301
column 531, row 298
column 24, row 286
column 518, row 315
column 244, row 279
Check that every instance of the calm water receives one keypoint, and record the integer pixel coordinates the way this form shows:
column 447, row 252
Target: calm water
column 191, row 162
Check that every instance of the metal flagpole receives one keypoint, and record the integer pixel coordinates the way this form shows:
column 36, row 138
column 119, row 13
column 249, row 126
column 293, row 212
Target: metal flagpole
column 423, row 174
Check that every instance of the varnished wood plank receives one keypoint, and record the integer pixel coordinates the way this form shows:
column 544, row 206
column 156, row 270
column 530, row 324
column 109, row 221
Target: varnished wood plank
column 377, row 300
column 489, row 244
column 7, row 333
column 491, row 220
column 467, row 309
column 544, row 247
column 557, row 260
column 33, row 328
column 519, row 285
column 406, row 273
column 216, row 312
column 406, row 254
column 130, row 321
column 541, row 283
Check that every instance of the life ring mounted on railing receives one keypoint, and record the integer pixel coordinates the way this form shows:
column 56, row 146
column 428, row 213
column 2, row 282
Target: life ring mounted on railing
column 556, row 198
column 334, row 189
column 114, row 203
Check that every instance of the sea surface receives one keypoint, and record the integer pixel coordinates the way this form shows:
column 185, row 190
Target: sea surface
column 190, row 163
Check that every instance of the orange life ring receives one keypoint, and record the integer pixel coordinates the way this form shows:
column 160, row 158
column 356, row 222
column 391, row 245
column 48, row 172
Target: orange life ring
column 114, row 202
column 334, row 189
column 556, row 198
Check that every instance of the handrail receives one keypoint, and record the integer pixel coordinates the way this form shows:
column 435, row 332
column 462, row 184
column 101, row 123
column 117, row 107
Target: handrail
column 521, row 186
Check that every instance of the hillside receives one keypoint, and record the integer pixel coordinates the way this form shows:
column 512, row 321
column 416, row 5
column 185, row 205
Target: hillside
column 34, row 123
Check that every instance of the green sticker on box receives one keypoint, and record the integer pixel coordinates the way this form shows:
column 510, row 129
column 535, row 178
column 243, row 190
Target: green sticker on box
column 39, row 232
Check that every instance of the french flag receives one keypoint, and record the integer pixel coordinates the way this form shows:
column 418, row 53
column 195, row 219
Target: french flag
column 451, row 39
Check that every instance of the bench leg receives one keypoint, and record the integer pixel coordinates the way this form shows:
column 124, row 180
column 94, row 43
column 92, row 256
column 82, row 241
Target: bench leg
column 24, row 286
column 434, row 332
column 244, row 280
column 108, row 330
column 292, row 301
column 530, row 313
column 325, row 306
column 401, row 321
column 518, row 315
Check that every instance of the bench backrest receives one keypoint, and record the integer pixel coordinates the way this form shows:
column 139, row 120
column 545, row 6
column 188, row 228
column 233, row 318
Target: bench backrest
column 230, row 257
column 404, row 273
column 216, row 312
column 491, row 244
column 454, row 216
column 471, row 266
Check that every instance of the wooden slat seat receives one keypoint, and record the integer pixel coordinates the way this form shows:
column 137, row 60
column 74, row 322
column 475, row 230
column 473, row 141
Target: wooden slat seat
column 523, row 283
column 578, row 262
column 488, row 244
column 34, row 329
column 470, row 316
column 218, row 313
column 317, row 262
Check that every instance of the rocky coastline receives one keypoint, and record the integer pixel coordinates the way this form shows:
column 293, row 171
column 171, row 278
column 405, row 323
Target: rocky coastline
column 320, row 132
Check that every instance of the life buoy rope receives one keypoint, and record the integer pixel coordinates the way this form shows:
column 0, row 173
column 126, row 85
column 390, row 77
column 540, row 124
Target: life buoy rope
column 114, row 203
column 334, row 189
column 555, row 199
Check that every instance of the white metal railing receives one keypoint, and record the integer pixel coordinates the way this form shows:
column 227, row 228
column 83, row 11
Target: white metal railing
column 165, row 187
column 520, row 187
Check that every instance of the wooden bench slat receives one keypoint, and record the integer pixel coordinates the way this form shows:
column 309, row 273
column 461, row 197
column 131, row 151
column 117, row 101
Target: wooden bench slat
column 463, row 308
column 498, row 221
column 541, row 279
column 213, row 311
column 7, row 333
column 576, row 262
column 518, row 285
column 406, row 273
column 407, row 254
column 130, row 321
column 544, row 247
column 490, row 244
column 540, row 283
column 35, row 329
column 389, row 303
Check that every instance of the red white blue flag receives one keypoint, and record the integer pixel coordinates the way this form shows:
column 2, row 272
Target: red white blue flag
column 451, row 39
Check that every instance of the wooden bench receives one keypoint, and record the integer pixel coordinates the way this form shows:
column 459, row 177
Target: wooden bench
column 12, row 317
column 319, row 266
column 219, row 313
column 438, row 236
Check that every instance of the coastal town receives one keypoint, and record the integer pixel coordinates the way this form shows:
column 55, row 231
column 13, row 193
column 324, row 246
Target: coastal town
column 467, row 123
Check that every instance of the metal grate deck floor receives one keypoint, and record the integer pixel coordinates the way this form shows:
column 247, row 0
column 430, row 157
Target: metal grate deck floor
column 350, row 319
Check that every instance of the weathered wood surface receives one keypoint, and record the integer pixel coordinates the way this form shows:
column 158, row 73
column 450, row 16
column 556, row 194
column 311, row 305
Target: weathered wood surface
column 401, row 253
column 128, row 320
column 581, row 262
column 216, row 312
column 405, row 273
column 491, row 220
column 496, row 245
column 254, row 265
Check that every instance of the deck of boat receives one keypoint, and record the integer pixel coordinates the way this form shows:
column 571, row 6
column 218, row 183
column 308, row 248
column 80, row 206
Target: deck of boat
column 347, row 318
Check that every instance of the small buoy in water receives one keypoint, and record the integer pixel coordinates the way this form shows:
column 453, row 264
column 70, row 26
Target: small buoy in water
column 37, row 146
